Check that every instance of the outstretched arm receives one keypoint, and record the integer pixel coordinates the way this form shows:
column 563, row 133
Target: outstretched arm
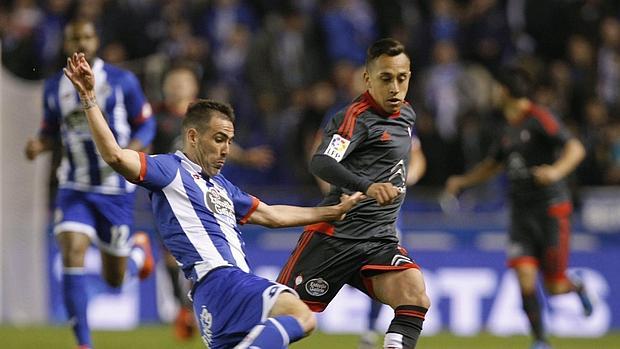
column 279, row 216
column 480, row 173
column 124, row 161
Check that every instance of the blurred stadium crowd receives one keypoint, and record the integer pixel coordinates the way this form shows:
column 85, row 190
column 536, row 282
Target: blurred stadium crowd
column 285, row 65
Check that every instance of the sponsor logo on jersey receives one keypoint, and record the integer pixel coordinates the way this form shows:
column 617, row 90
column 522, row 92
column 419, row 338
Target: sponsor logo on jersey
column 317, row 287
column 337, row 147
column 219, row 203
column 206, row 320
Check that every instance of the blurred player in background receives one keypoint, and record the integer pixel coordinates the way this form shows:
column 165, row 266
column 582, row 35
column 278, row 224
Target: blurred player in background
column 180, row 87
column 93, row 204
column 198, row 212
column 537, row 153
column 366, row 147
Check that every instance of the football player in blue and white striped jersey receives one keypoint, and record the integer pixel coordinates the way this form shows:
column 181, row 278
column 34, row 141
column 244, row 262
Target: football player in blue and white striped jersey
column 94, row 203
column 198, row 212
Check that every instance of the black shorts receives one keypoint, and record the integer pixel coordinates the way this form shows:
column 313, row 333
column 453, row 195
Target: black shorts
column 321, row 264
column 540, row 235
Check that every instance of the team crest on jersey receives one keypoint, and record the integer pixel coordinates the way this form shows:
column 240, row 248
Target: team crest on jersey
column 206, row 320
column 337, row 147
column 219, row 203
column 317, row 287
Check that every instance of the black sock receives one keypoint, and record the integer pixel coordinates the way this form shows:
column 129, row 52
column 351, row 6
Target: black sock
column 406, row 326
column 531, row 307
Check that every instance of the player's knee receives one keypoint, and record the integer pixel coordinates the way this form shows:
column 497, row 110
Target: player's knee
column 414, row 293
column 557, row 287
column 73, row 256
column 289, row 304
column 416, row 297
column 307, row 320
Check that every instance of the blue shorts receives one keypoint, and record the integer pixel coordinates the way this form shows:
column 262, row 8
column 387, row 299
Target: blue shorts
column 229, row 302
column 106, row 219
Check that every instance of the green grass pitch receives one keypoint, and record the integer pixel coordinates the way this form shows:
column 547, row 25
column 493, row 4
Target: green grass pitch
column 160, row 337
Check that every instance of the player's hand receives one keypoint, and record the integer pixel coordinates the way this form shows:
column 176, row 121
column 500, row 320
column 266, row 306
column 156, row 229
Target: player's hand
column 545, row 174
column 81, row 75
column 454, row 185
column 260, row 157
column 33, row 148
column 384, row 193
column 347, row 202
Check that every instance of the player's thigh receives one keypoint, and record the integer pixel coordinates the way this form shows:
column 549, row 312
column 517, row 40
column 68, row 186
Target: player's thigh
column 229, row 302
column 319, row 266
column 74, row 213
column 524, row 242
column 555, row 224
column 73, row 247
column 401, row 287
column 114, row 220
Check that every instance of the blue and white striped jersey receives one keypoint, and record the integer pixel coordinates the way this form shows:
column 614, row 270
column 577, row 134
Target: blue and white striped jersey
column 196, row 215
column 123, row 104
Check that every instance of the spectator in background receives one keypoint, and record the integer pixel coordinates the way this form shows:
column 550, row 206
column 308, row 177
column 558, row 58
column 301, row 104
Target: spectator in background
column 94, row 204
column 348, row 28
column 582, row 75
column 285, row 56
column 528, row 149
column 441, row 94
column 19, row 29
column 485, row 36
column 608, row 64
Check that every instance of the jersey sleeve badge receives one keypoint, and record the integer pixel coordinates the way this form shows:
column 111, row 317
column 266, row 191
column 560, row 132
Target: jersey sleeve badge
column 337, row 147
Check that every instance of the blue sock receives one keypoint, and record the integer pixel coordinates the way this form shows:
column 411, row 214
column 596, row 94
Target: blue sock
column 276, row 332
column 76, row 302
column 373, row 314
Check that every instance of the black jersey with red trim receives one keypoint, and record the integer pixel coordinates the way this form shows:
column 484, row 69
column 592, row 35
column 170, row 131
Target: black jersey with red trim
column 375, row 146
column 537, row 140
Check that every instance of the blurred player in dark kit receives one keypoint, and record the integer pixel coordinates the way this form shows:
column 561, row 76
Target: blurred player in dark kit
column 538, row 153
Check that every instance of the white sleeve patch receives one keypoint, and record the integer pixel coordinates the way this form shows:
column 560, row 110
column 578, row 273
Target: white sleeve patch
column 337, row 147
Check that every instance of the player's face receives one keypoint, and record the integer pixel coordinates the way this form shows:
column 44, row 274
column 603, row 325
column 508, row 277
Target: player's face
column 387, row 81
column 213, row 145
column 81, row 37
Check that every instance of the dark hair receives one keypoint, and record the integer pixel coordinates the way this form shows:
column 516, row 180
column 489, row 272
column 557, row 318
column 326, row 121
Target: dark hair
column 199, row 113
column 75, row 22
column 190, row 67
column 517, row 80
column 385, row 46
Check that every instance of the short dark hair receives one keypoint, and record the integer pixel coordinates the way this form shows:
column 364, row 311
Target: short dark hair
column 385, row 46
column 199, row 113
column 518, row 81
